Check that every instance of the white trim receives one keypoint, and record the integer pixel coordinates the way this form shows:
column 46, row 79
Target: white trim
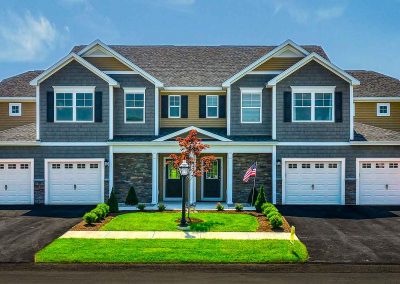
column 64, row 61
column 313, row 144
column 352, row 112
column 19, row 143
column 274, row 113
column 31, row 168
column 378, row 113
column 18, row 99
column 154, row 178
column 228, row 111
column 261, row 60
column 111, row 112
column 377, row 99
column 192, row 89
column 217, row 106
column 192, row 189
column 274, row 72
column 229, row 178
column 37, row 106
column 121, row 58
column 187, row 129
column 274, row 174
column 250, row 91
column 221, row 191
column 68, row 144
column 46, row 174
column 110, row 170
column 138, row 91
column 165, row 182
column 180, row 106
column 112, row 72
column 375, row 143
column 157, row 111
column 11, row 105
column 342, row 177
column 322, row 61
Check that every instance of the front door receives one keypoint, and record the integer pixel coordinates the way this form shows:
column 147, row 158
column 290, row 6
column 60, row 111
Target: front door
column 173, row 183
column 212, row 182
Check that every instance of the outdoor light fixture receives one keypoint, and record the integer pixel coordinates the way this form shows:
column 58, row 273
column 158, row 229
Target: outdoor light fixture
column 106, row 163
column 278, row 162
column 184, row 171
column 184, row 168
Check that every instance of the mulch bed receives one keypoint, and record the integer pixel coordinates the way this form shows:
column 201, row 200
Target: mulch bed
column 82, row 226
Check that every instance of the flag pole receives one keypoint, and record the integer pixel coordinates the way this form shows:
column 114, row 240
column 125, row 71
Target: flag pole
column 254, row 186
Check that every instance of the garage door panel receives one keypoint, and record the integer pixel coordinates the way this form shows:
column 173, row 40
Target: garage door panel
column 16, row 183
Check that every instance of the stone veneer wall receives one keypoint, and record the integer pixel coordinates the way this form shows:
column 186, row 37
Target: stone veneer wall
column 350, row 193
column 133, row 170
column 241, row 162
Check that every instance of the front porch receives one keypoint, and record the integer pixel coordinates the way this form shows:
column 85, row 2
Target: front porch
column 177, row 205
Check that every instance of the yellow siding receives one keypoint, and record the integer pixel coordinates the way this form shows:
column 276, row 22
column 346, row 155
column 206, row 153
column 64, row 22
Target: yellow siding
column 278, row 63
column 366, row 113
column 193, row 113
column 28, row 115
column 107, row 63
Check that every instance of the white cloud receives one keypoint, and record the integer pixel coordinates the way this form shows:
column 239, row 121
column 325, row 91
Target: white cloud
column 329, row 13
column 26, row 38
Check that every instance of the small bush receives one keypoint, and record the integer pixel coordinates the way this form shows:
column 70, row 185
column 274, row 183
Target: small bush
column 219, row 207
column 260, row 199
column 161, row 207
column 276, row 221
column 90, row 218
column 99, row 213
column 272, row 213
column 268, row 207
column 239, row 207
column 104, row 207
column 131, row 198
column 141, row 206
column 113, row 202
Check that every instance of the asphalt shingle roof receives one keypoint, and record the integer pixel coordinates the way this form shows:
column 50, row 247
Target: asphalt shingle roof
column 365, row 132
column 24, row 133
column 374, row 84
column 18, row 85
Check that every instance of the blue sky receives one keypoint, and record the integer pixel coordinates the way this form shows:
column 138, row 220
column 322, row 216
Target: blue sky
column 356, row 34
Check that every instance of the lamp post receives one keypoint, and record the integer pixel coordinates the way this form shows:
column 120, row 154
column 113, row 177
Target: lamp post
column 184, row 171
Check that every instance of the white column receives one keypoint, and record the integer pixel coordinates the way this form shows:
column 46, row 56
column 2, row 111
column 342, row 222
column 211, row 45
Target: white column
column 229, row 179
column 110, row 170
column 154, row 182
column 274, row 174
column 192, row 191
column 228, row 111
column 111, row 112
column 156, row 111
column 351, row 113
column 37, row 104
column 274, row 112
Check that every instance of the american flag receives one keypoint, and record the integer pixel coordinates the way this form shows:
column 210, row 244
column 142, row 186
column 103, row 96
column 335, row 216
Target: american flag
column 251, row 172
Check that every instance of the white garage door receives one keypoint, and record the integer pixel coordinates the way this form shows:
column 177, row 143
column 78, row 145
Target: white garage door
column 74, row 183
column 16, row 182
column 310, row 182
column 379, row 182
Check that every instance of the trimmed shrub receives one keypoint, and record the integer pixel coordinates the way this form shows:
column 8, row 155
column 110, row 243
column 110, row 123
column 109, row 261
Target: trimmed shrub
column 239, row 207
column 276, row 221
column 99, row 213
column 90, row 218
column 131, row 198
column 219, row 207
column 260, row 199
column 268, row 207
column 104, row 207
column 161, row 207
column 141, row 206
column 113, row 202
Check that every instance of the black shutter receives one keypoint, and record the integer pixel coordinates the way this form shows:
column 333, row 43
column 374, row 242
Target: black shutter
column 98, row 107
column 338, row 107
column 202, row 107
column 184, row 106
column 222, row 106
column 164, row 106
column 287, row 109
column 50, row 106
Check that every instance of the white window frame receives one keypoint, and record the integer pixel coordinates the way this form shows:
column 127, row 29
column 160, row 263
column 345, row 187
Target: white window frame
column 313, row 90
column 135, row 91
column 169, row 106
column 378, row 106
column 11, row 105
column 74, row 91
column 250, row 91
column 217, row 106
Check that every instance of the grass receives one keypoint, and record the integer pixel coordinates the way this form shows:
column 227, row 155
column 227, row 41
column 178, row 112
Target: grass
column 171, row 251
column 213, row 222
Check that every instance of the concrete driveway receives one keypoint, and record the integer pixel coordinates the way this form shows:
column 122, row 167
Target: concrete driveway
column 26, row 229
column 348, row 234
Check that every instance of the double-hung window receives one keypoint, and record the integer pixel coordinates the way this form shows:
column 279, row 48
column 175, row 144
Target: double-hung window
column 74, row 104
column 383, row 109
column 134, row 105
column 212, row 106
column 174, row 106
column 251, row 105
column 313, row 104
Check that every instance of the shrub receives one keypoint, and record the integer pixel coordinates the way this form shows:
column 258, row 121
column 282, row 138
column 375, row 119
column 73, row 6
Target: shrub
column 260, row 199
column 161, row 207
column 104, row 207
column 141, row 206
column 272, row 213
column 90, row 218
column 239, row 207
column 99, row 213
column 113, row 202
column 131, row 198
column 252, row 196
column 276, row 221
column 219, row 207
column 268, row 207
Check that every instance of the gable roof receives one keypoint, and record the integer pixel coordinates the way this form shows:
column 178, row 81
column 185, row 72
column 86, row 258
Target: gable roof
column 18, row 85
column 187, row 129
column 24, row 133
column 365, row 132
column 195, row 66
column 374, row 84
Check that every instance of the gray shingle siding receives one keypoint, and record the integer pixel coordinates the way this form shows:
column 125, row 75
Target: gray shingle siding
column 313, row 74
column 251, row 81
column 73, row 74
column 122, row 128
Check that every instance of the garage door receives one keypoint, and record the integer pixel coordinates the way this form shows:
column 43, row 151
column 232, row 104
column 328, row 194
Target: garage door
column 310, row 182
column 74, row 183
column 16, row 182
column 379, row 182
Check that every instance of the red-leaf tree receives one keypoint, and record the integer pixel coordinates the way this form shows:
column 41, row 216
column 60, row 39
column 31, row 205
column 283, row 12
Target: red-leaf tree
column 191, row 147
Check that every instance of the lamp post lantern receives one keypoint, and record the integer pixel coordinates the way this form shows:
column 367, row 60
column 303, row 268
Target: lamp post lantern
column 184, row 171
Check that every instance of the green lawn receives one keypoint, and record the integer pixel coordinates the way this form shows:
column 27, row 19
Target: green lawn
column 172, row 251
column 164, row 221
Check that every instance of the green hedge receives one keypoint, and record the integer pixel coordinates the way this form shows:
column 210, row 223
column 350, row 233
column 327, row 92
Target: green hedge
column 97, row 214
column 272, row 213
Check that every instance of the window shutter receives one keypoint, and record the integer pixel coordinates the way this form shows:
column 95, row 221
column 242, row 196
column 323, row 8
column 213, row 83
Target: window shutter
column 222, row 106
column 50, row 106
column 164, row 106
column 287, row 109
column 98, row 107
column 202, row 107
column 184, row 106
column 338, row 107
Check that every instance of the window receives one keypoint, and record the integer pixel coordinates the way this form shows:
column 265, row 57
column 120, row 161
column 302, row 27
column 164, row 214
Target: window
column 24, row 166
column 69, row 166
column 94, row 166
column 380, row 165
column 383, row 109
column 1, row 166
column 292, row 166
column 81, row 166
column 305, row 166
column 14, row 109
column 213, row 172
column 212, row 106
column 174, row 106
column 55, row 166
column 393, row 165
column 251, row 106
column 319, row 166
column 313, row 104
column 12, row 166
column 134, row 105
column 74, row 104
column 172, row 172
column 332, row 166
column 366, row 165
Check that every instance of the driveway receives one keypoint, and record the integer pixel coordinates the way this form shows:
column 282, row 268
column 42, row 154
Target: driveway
column 26, row 229
column 348, row 234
